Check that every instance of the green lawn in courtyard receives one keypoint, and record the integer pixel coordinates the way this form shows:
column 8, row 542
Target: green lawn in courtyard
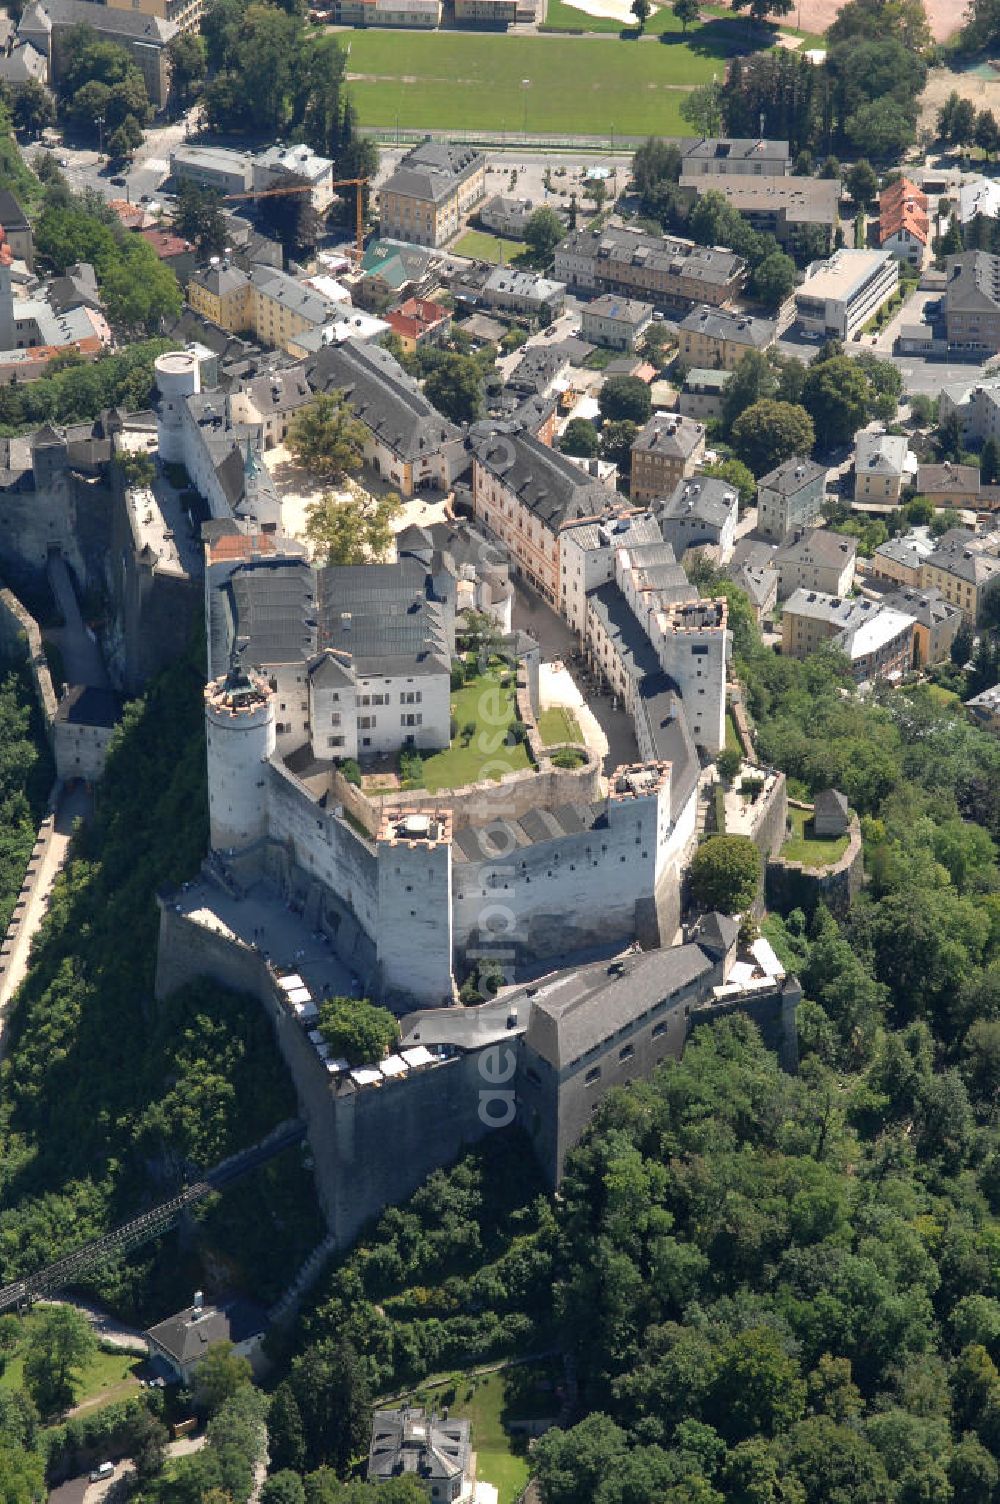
column 577, row 85
column 733, row 743
column 558, row 724
column 812, row 851
column 483, row 247
column 488, row 706
column 497, row 1463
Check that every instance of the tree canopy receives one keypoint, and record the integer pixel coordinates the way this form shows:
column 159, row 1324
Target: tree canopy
column 768, row 432
column 358, row 1030
column 725, row 872
column 326, row 438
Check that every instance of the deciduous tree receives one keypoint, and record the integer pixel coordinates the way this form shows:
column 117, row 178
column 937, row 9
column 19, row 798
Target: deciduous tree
column 326, row 438
column 769, row 432
column 725, row 872
column 357, row 1029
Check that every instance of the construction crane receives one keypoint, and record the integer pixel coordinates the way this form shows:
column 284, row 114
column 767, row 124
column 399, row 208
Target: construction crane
column 359, row 204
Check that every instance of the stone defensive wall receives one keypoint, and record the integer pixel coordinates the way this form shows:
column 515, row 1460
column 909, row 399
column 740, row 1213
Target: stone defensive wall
column 793, row 885
column 20, row 635
column 372, row 1144
column 541, row 787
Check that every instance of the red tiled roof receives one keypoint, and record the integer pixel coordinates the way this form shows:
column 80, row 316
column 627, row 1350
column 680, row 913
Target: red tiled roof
column 239, row 546
column 166, row 244
column 131, row 215
column 903, row 206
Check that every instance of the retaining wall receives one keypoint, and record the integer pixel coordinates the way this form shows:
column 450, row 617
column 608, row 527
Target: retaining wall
column 20, row 633
column 792, row 885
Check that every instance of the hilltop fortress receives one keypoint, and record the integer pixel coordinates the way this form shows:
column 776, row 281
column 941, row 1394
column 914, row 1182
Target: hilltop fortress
column 567, row 874
column 563, row 867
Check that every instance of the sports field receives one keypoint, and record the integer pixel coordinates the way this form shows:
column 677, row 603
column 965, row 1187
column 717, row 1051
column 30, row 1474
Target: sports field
column 551, row 84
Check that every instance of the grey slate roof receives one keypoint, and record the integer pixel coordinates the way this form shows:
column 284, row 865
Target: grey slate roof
column 818, row 545
column 612, row 248
column 383, row 397
column 85, row 705
column 719, row 323
column 432, row 171
column 544, row 481
column 188, row 1335
column 717, row 933
column 409, row 1441
column 734, row 149
column 704, row 498
column 281, row 610
column 792, row 475
column 106, row 19
column 973, row 282
column 830, row 802
column 505, row 838
column 578, row 1010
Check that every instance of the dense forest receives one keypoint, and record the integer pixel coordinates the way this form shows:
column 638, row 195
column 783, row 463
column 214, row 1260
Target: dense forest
column 26, row 773
column 772, row 1289
column 108, row 1101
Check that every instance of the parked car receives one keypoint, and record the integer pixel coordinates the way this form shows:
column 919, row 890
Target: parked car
column 106, row 1470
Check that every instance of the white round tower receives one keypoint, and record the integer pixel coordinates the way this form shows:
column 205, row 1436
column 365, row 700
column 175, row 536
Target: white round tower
column 240, row 729
column 178, row 376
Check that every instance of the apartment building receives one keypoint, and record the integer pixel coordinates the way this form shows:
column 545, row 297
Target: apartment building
column 418, row 322
column 964, row 572
column 701, row 395
column 904, row 223
column 838, row 296
column 950, row 485
column 879, row 467
column 972, row 302
column 702, row 510
column 664, row 453
column 790, row 497
column 789, row 208
column 278, row 165
column 659, row 269
column 526, row 494
column 523, row 292
column 877, row 640
column 900, row 560
column 145, row 36
column 221, row 294
column 936, row 622
column 710, row 337
column 977, row 404
column 616, row 323
column 429, row 197
column 731, row 156
column 185, row 14
column 817, row 560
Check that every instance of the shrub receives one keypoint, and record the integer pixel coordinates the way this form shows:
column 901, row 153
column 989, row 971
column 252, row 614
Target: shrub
column 457, row 675
column 352, row 773
column 411, row 768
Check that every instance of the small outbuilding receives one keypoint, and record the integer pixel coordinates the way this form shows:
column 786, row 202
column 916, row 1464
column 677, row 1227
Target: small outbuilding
column 831, row 816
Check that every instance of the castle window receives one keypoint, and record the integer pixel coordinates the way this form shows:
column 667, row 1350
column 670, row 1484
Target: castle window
column 593, row 1075
column 660, row 1029
column 626, row 1052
